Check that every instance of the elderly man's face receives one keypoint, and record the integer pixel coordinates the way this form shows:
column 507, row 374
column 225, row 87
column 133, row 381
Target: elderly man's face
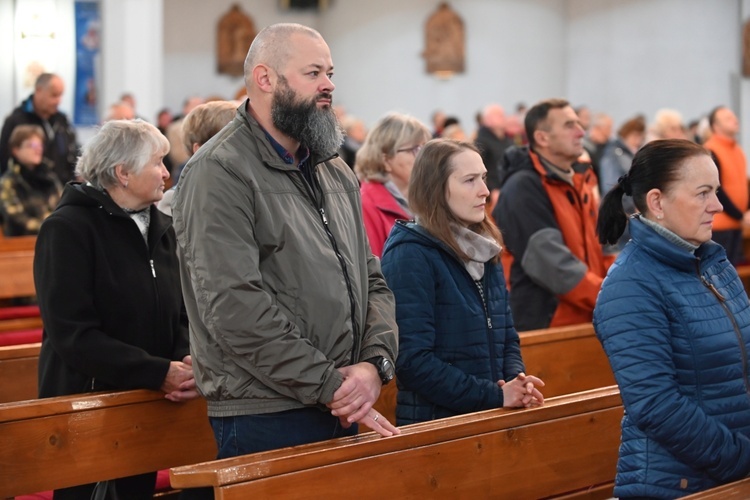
column 47, row 99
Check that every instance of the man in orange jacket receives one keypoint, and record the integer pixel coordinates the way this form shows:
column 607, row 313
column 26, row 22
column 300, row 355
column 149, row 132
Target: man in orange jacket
column 547, row 212
column 733, row 195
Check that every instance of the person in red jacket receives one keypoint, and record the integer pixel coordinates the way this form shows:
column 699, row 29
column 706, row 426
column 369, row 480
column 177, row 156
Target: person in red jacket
column 733, row 195
column 383, row 165
column 547, row 213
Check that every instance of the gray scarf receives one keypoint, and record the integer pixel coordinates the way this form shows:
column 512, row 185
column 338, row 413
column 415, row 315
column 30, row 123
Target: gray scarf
column 480, row 249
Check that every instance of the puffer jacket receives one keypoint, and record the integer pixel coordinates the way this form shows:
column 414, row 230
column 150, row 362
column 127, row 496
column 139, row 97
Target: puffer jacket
column 279, row 282
column 676, row 329
column 454, row 345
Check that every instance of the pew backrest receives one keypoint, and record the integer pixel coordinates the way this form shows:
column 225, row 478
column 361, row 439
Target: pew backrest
column 18, row 372
column 65, row 441
column 567, row 447
column 17, row 271
column 568, row 359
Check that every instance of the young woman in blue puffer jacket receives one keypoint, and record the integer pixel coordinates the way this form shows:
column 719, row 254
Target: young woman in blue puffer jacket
column 674, row 320
column 458, row 349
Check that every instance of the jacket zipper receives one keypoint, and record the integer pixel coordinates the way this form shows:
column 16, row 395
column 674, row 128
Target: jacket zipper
column 324, row 218
column 488, row 318
column 735, row 326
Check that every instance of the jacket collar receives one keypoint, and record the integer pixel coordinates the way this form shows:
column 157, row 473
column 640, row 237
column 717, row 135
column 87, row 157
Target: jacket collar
column 669, row 253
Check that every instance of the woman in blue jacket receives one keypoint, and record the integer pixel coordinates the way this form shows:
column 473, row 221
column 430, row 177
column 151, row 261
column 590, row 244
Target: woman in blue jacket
column 674, row 320
column 458, row 349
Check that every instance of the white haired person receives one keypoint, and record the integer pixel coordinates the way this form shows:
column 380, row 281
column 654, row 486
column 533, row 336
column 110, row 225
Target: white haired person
column 108, row 283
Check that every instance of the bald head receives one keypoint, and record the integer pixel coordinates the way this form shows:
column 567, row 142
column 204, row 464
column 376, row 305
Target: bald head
column 272, row 47
column 493, row 117
column 48, row 92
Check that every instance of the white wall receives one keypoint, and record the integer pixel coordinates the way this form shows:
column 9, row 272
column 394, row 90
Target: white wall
column 132, row 59
column 376, row 48
column 190, row 44
column 636, row 56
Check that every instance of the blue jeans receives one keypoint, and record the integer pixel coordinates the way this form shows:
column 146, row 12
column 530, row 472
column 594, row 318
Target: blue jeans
column 254, row 433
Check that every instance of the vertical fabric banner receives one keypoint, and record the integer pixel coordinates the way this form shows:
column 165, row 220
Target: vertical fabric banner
column 88, row 24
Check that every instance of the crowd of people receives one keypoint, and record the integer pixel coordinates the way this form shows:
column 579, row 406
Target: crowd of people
column 256, row 281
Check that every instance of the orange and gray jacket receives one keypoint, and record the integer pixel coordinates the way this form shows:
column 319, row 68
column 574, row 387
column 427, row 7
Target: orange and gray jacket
column 552, row 253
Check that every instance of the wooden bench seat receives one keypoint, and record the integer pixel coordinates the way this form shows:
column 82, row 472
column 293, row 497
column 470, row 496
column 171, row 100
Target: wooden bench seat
column 565, row 449
column 59, row 442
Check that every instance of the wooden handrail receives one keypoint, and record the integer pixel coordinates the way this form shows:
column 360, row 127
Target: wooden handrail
column 261, row 467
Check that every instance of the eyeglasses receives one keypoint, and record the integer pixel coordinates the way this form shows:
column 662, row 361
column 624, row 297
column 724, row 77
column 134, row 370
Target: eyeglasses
column 413, row 150
column 33, row 145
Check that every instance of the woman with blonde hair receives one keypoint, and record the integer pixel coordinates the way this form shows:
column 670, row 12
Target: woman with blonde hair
column 383, row 165
column 458, row 349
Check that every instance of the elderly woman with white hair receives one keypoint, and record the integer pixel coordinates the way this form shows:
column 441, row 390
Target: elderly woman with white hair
column 108, row 284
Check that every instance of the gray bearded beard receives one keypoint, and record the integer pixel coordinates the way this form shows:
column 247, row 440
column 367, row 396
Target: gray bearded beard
column 316, row 128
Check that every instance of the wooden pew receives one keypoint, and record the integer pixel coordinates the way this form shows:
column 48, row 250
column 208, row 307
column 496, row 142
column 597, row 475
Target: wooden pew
column 565, row 449
column 18, row 372
column 65, row 441
column 569, row 359
column 739, row 490
column 17, row 280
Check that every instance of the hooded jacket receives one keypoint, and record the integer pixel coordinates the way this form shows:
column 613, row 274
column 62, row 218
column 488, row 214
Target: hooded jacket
column 553, row 255
column 676, row 329
column 279, row 281
column 455, row 342
column 111, row 306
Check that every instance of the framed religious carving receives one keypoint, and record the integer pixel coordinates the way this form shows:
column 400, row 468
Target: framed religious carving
column 444, row 50
column 234, row 34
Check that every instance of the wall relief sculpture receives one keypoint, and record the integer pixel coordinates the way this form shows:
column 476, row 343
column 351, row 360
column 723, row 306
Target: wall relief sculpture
column 444, row 42
column 234, row 34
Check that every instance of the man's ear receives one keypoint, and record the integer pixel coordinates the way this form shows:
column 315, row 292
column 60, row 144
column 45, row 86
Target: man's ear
column 540, row 137
column 264, row 78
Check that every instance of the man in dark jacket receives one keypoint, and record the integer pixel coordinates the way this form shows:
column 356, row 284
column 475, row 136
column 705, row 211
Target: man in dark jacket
column 41, row 108
column 547, row 212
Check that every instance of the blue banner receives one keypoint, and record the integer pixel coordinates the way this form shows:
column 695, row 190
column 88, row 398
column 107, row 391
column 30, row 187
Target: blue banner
column 88, row 25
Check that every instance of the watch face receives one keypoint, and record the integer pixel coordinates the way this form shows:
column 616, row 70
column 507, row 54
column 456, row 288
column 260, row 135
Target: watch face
column 387, row 370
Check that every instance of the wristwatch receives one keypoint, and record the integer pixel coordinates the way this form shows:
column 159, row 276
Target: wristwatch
column 384, row 367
